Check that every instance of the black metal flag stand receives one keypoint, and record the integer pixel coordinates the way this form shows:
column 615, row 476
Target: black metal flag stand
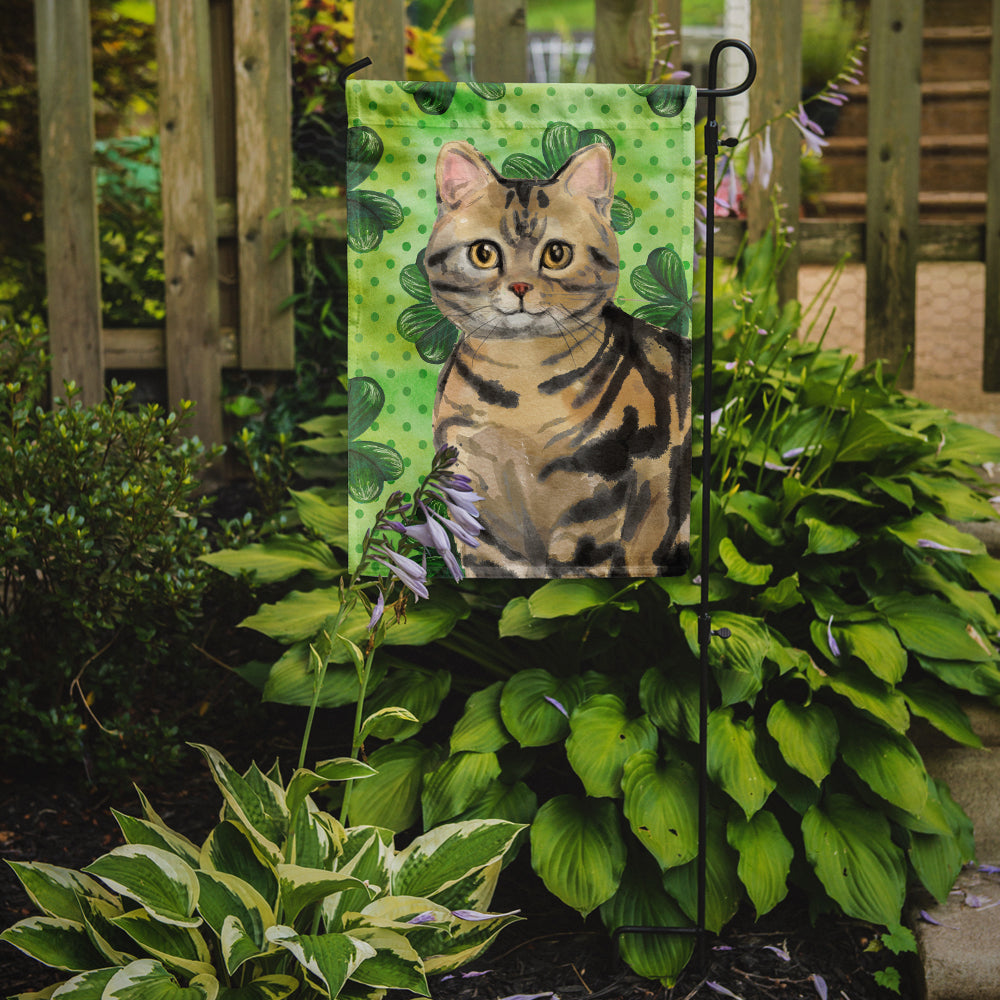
column 705, row 631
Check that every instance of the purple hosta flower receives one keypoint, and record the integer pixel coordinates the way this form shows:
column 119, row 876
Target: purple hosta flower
column 377, row 611
column 431, row 535
column 531, row 996
column 831, row 642
column 465, row 975
column 558, row 705
column 719, row 988
column 459, row 531
column 727, row 198
column 427, row 917
column 990, row 869
column 760, row 165
column 411, row 574
column 820, row 983
column 927, row 543
column 812, row 134
column 475, row 915
column 780, row 952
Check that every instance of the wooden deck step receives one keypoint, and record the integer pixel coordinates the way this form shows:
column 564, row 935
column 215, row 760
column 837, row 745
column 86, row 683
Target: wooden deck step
column 958, row 206
column 945, row 103
column 956, row 53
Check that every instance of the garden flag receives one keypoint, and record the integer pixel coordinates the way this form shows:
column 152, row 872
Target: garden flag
column 520, row 264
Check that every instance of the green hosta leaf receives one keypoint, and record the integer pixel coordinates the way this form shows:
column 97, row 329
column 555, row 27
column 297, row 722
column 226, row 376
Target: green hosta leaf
column 56, row 891
column 180, row 948
column 54, row 941
column 888, row 763
column 671, row 700
column 602, row 738
column 870, row 435
column 783, row 595
column 976, row 678
column 262, row 812
column 964, row 443
column 559, row 598
column 304, row 782
column 828, row 539
column 876, row 646
column 162, row 883
column 807, row 736
column 932, row 628
column 481, row 728
column 456, row 784
column 760, row 512
column 732, row 760
column 641, row 901
column 517, row 620
column 515, row 803
column 738, row 569
column 147, row 979
column 395, row 964
column 420, row 691
column 739, row 660
column 141, row 831
column 230, row 849
column 865, row 692
column 723, row 889
column 292, row 680
column 765, row 858
column 578, row 851
column 365, row 399
column 330, row 959
column 928, row 528
column 958, row 501
column 364, row 150
column 528, row 710
column 279, row 558
column 391, row 798
column 301, row 887
column 438, row 859
column 941, row 709
column 850, row 847
column 937, row 858
column 986, row 572
column 661, row 798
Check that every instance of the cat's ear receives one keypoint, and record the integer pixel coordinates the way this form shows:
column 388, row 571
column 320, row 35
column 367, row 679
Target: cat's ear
column 461, row 173
column 588, row 172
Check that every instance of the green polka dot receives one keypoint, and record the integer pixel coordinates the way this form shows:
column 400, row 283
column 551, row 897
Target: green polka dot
column 654, row 127
column 389, row 123
column 518, row 91
column 653, row 161
column 501, row 142
column 359, row 263
column 422, row 373
column 389, row 158
column 390, row 192
column 406, row 389
column 653, row 230
column 686, row 161
column 388, row 88
column 391, row 408
column 421, row 123
column 406, row 426
column 374, row 318
column 453, row 124
column 391, row 442
column 637, row 247
column 422, row 408
column 422, row 445
column 638, row 109
column 622, row 92
column 358, row 299
column 372, row 106
column 637, row 143
column 536, row 142
column 421, row 229
column 406, row 246
column 621, row 126
column 535, row 109
column 406, row 175
column 358, row 337
column 551, row 91
column 485, row 126
column 671, row 143
column 359, row 513
column 390, row 299
column 422, row 193
column 407, row 355
column 374, row 281
column 686, row 127
column 572, row 109
column 605, row 109
column 390, row 338
column 622, row 161
column 405, row 141
column 407, row 462
column 670, row 178
column 470, row 107
column 406, row 210
column 669, row 213
column 589, row 91
column 390, row 373
column 374, row 356
column 637, row 178
column 422, row 157
column 519, row 125
column 653, row 195
column 502, row 108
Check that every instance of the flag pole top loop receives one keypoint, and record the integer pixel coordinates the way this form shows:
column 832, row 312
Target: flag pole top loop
column 352, row 68
column 712, row 91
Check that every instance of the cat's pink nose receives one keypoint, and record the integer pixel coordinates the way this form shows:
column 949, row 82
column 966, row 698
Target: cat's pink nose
column 521, row 288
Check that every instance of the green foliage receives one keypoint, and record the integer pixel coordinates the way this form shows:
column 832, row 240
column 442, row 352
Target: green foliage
column 280, row 899
column 101, row 587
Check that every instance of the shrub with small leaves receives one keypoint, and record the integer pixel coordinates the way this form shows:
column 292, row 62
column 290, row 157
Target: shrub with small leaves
column 99, row 574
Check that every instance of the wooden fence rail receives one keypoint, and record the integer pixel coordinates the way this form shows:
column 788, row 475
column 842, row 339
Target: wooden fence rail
column 226, row 159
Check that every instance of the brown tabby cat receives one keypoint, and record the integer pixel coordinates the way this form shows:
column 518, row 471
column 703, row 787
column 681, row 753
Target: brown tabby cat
column 571, row 417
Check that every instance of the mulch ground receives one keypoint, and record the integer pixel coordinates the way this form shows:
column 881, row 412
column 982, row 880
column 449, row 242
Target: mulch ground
column 550, row 953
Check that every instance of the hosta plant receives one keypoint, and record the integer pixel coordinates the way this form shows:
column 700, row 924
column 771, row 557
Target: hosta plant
column 279, row 900
column 854, row 605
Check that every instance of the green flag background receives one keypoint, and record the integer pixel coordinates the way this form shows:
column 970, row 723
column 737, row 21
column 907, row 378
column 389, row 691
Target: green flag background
column 397, row 338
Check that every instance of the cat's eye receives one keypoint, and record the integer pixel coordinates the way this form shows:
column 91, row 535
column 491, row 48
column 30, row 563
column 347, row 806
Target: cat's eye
column 484, row 254
column 557, row 255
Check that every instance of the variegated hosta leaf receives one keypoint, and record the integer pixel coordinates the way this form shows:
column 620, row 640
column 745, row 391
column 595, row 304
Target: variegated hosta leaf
column 765, row 858
column 158, row 880
column 441, row 857
column 329, row 959
column 475, row 891
column 395, row 964
column 238, row 945
column 98, row 915
column 315, row 838
column 456, row 784
column 578, row 851
column 230, row 849
column 177, row 947
column 300, row 887
column 256, row 801
column 468, row 939
column 54, row 941
column 275, row 987
column 226, row 897
column 304, row 782
column 661, row 800
column 367, row 853
column 723, row 889
column 850, row 847
column 642, row 902
column 149, row 980
column 807, row 735
column 87, row 986
column 141, row 831
column 732, row 760
column 56, row 891
column 602, row 737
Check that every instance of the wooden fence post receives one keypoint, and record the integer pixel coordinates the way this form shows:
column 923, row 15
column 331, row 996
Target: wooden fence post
column 501, row 40
column 380, row 34
column 621, row 40
column 776, row 34
column 991, row 332
column 72, row 255
column 262, row 60
column 893, row 183
column 190, row 251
